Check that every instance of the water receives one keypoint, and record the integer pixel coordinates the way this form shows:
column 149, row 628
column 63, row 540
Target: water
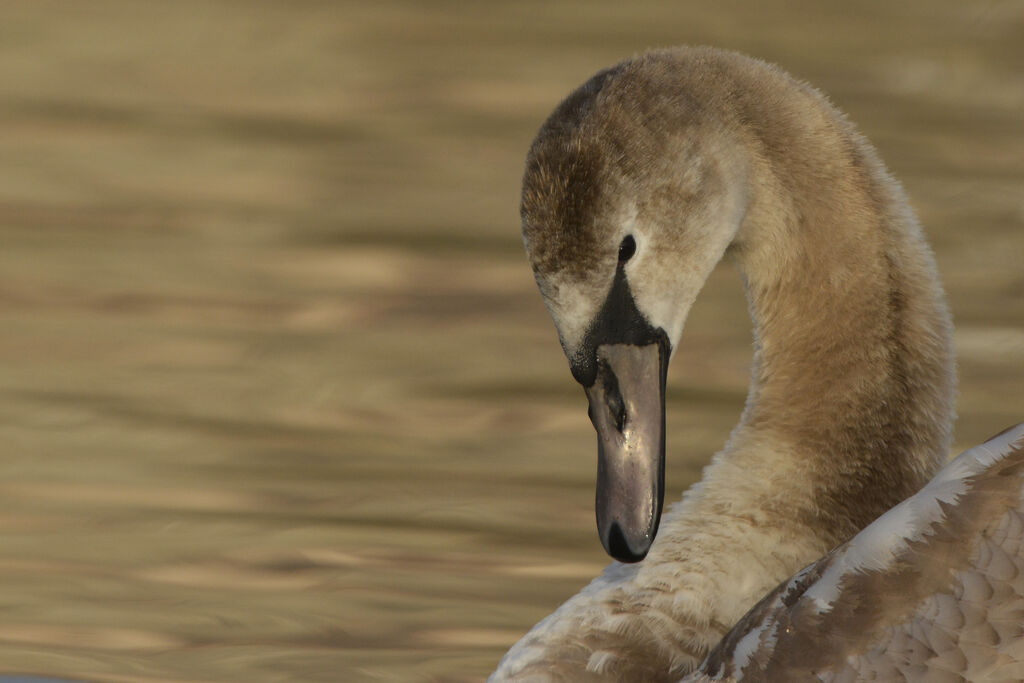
column 278, row 396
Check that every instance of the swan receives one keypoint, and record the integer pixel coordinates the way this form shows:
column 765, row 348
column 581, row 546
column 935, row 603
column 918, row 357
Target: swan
column 635, row 187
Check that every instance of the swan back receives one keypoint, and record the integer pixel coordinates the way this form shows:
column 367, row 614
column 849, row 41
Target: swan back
column 932, row 590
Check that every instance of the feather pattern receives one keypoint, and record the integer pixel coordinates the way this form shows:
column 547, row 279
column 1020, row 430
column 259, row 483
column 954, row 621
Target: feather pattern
column 932, row 590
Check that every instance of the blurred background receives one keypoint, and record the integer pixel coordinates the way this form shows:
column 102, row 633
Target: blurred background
column 278, row 398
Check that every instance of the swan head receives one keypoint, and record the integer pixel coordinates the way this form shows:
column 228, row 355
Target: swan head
column 626, row 208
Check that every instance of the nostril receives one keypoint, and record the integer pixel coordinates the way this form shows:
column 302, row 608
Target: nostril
column 613, row 398
column 618, row 409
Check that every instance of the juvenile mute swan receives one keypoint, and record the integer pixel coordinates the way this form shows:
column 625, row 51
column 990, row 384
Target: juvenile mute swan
column 635, row 187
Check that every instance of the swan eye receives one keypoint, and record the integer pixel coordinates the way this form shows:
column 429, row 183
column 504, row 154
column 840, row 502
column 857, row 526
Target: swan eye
column 627, row 249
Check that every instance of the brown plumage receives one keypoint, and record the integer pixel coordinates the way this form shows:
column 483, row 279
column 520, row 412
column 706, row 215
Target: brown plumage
column 701, row 154
column 932, row 591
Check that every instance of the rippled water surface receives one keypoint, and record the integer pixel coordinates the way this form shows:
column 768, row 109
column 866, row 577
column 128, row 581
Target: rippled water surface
column 278, row 399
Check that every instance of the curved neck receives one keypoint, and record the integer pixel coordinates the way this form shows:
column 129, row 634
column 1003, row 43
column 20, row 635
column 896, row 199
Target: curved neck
column 853, row 369
column 851, row 396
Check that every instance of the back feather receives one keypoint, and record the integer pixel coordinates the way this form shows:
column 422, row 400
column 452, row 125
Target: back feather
column 932, row 590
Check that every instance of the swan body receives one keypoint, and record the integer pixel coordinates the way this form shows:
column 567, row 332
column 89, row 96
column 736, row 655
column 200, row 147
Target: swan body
column 933, row 590
column 637, row 185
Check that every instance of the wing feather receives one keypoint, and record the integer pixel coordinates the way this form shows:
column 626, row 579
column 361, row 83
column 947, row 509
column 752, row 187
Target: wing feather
column 932, row 590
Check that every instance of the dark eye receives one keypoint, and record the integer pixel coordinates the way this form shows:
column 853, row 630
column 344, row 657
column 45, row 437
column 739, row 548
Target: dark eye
column 627, row 249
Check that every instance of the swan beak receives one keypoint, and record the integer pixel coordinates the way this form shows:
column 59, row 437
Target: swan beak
column 627, row 407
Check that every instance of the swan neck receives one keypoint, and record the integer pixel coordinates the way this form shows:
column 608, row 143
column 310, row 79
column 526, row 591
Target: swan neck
column 853, row 366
